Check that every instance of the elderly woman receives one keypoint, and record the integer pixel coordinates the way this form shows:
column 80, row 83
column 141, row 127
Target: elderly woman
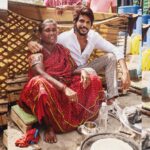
column 58, row 95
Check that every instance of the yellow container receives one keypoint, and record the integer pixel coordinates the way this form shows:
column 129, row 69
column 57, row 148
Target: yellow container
column 146, row 60
column 135, row 44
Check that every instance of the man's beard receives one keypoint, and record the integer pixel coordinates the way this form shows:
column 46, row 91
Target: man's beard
column 78, row 31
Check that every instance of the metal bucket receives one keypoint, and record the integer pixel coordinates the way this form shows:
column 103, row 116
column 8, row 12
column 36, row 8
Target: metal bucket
column 87, row 143
column 129, row 9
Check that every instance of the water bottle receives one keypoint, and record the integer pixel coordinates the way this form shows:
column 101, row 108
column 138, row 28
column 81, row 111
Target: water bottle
column 103, row 117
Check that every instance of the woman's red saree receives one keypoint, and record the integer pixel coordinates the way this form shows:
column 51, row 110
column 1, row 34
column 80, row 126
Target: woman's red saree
column 45, row 100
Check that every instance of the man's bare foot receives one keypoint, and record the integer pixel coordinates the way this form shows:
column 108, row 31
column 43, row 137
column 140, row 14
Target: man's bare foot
column 50, row 136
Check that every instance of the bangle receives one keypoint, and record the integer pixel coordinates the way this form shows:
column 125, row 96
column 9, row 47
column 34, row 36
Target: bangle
column 64, row 87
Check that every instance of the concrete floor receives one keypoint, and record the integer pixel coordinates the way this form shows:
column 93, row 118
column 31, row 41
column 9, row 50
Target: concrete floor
column 73, row 140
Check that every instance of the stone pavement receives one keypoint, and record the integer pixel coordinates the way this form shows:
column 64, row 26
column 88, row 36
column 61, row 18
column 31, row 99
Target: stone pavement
column 72, row 140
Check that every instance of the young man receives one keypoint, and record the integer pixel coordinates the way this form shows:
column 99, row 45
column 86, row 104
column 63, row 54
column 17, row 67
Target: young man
column 102, row 5
column 81, row 41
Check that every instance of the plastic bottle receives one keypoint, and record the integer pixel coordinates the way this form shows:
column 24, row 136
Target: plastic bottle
column 103, row 117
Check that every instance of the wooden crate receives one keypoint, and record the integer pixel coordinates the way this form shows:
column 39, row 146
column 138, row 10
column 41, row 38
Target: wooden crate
column 40, row 12
column 16, row 83
column 14, row 87
column 13, row 96
column 23, row 120
column 3, row 119
column 5, row 138
column 3, row 106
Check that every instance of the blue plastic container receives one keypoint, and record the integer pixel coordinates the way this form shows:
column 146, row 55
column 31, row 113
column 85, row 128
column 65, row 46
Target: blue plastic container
column 128, row 9
column 148, row 35
column 145, row 18
column 145, row 21
column 132, row 9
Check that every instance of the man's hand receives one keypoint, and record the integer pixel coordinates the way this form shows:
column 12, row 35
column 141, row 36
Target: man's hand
column 125, row 75
column 126, row 80
column 72, row 95
column 34, row 47
column 85, row 78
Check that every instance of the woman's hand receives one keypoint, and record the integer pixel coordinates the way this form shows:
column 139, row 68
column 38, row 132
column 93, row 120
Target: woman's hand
column 72, row 95
column 34, row 47
column 85, row 78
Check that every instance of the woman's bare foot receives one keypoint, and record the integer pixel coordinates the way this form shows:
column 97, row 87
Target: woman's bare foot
column 50, row 136
column 110, row 101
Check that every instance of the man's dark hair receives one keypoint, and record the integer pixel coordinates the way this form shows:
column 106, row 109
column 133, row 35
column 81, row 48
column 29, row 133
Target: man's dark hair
column 84, row 11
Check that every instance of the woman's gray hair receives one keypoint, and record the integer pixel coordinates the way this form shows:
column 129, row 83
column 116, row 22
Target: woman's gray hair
column 47, row 21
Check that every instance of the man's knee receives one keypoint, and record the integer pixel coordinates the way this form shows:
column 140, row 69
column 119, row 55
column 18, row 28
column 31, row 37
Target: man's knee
column 90, row 71
column 111, row 58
